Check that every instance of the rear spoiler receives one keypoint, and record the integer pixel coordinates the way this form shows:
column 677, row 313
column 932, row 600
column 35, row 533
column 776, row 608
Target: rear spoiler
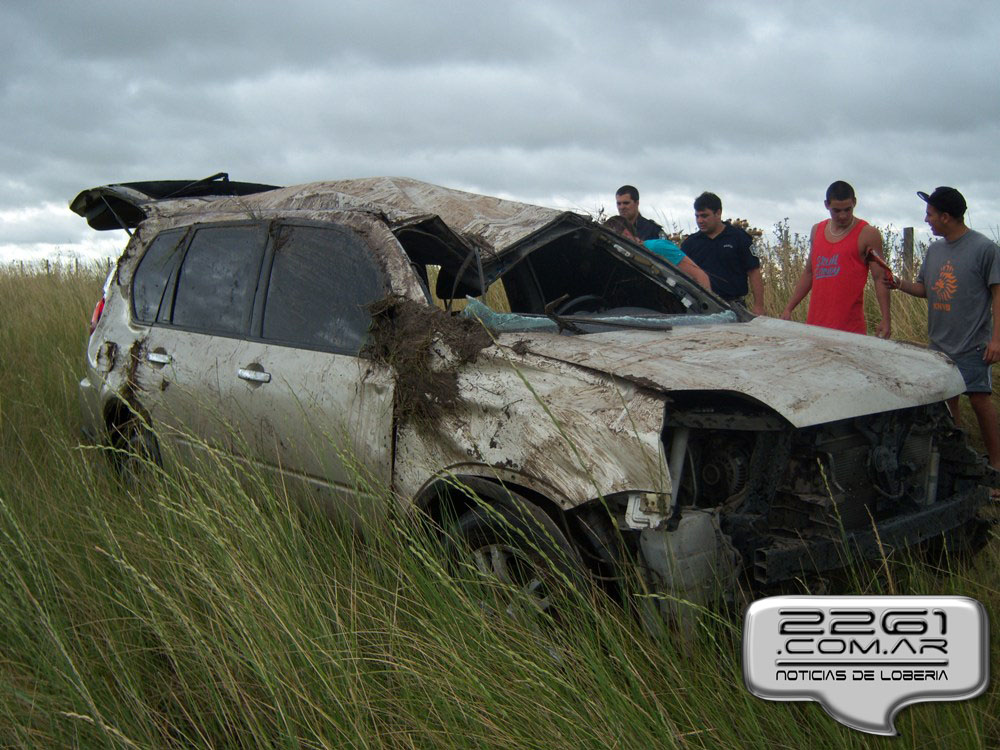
column 122, row 206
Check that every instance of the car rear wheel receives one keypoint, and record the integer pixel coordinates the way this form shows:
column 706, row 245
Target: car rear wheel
column 135, row 452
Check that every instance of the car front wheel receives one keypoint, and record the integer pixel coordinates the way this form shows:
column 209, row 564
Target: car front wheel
column 523, row 549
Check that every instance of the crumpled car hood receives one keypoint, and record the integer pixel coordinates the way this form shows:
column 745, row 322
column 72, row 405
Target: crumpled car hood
column 808, row 375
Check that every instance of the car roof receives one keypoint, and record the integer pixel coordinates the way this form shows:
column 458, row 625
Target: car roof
column 494, row 226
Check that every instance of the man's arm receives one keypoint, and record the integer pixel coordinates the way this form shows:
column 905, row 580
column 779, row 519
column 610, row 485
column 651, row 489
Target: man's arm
column 804, row 284
column 992, row 353
column 914, row 288
column 673, row 254
column 757, row 287
column 870, row 241
column 692, row 269
column 802, row 287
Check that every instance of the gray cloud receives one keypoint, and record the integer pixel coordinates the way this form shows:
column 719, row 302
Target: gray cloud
column 556, row 102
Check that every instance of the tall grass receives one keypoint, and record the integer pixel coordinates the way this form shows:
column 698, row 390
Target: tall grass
column 202, row 608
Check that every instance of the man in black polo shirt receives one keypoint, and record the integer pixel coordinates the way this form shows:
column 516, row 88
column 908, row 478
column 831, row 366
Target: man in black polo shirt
column 627, row 199
column 724, row 253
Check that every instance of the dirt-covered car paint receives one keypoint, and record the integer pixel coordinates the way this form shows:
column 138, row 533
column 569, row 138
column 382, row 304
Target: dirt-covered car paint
column 573, row 435
column 808, row 375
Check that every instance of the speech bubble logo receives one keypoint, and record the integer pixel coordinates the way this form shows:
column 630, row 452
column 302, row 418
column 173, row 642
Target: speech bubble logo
column 864, row 658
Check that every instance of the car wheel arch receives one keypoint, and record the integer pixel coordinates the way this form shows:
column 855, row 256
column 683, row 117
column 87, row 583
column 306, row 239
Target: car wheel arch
column 118, row 412
column 128, row 430
column 452, row 491
column 446, row 498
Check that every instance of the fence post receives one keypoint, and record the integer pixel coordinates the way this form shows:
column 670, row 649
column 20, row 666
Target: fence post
column 908, row 253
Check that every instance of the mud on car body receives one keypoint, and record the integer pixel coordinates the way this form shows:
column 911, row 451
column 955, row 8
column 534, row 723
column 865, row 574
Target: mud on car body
column 625, row 412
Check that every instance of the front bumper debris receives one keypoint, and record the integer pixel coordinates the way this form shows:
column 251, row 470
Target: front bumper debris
column 788, row 559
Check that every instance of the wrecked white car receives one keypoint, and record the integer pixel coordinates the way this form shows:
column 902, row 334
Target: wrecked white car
column 617, row 413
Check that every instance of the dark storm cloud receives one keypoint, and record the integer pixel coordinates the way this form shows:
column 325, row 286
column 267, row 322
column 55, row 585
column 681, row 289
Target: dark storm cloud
column 553, row 102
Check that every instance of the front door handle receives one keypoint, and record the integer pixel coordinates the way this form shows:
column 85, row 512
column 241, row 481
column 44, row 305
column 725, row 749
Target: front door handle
column 254, row 376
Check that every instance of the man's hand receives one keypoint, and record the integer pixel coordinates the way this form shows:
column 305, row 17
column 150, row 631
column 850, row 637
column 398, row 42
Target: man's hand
column 992, row 353
column 758, row 308
column 884, row 330
column 786, row 315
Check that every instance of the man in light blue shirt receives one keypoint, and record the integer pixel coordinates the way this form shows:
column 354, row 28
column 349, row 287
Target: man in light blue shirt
column 662, row 247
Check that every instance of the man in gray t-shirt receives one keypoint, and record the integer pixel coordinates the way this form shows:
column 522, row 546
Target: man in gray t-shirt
column 960, row 278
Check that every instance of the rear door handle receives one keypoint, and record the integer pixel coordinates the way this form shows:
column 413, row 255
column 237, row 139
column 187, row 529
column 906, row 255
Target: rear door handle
column 254, row 376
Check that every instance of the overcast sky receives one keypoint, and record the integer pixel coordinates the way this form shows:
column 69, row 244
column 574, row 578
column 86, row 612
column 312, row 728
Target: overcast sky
column 555, row 103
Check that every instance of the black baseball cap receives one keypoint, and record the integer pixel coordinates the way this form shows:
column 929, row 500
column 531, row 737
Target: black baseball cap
column 947, row 200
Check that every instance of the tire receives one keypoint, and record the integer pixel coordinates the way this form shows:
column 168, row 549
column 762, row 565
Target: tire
column 135, row 453
column 523, row 549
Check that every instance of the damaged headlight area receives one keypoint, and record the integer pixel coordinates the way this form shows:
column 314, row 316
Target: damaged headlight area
column 800, row 501
column 680, row 550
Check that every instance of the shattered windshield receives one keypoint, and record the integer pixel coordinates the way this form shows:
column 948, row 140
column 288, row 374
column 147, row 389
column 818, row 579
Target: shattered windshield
column 573, row 275
column 592, row 280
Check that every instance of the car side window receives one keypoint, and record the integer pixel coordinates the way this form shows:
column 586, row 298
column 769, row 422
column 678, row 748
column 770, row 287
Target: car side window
column 322, row 281
column 153, row 272
column 218, row 279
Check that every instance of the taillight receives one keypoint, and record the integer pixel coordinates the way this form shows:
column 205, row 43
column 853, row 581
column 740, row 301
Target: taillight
column 98, row 309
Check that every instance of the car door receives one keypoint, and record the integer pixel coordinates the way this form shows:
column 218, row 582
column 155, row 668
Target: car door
column 313, row 407
column 202, row 321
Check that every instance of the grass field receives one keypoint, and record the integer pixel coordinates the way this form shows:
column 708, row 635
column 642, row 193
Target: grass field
column 201, row 609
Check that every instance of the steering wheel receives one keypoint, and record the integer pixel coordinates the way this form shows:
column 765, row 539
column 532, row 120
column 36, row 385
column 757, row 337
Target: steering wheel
column 583, row 299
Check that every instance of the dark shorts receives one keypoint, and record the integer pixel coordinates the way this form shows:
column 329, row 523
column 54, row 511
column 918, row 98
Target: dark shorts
column 974, row 370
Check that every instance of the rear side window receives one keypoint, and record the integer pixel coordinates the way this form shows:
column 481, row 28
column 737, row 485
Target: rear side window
column 218, row 279
column 321, row 283
column 153, row 272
